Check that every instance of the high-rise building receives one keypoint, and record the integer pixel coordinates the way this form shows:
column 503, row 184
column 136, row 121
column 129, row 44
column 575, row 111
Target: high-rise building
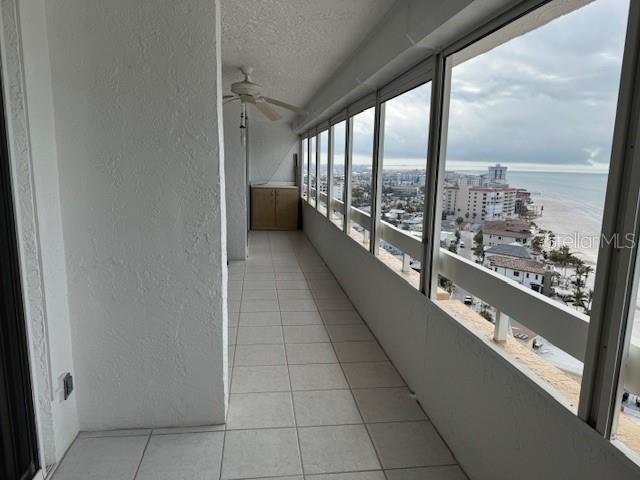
column 497, row 174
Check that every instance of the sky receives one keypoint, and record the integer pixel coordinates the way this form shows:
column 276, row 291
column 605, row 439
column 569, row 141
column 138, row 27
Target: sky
column 543, row 101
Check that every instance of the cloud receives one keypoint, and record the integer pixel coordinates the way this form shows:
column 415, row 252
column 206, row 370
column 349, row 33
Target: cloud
column 546, row 97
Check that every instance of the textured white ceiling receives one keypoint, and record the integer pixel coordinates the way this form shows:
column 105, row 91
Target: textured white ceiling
column 293, row 45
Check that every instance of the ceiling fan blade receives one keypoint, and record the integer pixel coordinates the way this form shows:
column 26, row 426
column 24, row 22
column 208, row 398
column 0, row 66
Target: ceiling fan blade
column 267, row 111
column 281, row 104
column 229, row 99
column 226, row 97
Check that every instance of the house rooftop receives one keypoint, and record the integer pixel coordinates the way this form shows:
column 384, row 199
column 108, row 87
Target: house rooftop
column 509, row 228
column 509, row 250
column 521, row 264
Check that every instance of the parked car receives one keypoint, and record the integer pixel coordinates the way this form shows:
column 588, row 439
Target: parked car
column 468, row 300
column 461, row 244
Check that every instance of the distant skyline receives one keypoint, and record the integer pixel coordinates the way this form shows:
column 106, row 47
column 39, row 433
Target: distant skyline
column 544, row 101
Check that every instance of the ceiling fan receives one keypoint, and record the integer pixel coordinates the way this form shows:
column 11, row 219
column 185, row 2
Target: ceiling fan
column 248, row 92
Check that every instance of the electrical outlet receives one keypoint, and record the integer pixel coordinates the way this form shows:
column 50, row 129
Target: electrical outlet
column 67, row 383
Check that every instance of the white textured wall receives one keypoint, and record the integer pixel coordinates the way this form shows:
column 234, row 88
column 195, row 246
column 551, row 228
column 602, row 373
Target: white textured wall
column 272, row 145
column 39, row 102
column 271, row 149
column 500, row 425
column 235, row 183
column 139, row 131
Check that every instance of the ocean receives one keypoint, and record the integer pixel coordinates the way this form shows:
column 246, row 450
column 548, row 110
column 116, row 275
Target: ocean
column 573, row 206
column 573, row 202
column 573, row 209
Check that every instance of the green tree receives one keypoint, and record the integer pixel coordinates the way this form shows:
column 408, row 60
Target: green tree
column 478, row 249
column 537, row 243
column 447, row 284
column 485, row 312
column 563, row 257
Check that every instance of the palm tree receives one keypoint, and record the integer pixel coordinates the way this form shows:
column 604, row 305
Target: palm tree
column 563, row 256
column 537, row 243
column 579, row 299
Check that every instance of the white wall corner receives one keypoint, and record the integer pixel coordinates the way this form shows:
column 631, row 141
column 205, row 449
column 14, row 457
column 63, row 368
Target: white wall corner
column 140, row 148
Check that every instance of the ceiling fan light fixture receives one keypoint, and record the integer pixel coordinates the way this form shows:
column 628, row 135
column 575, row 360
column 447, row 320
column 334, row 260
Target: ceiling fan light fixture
column 248, row 91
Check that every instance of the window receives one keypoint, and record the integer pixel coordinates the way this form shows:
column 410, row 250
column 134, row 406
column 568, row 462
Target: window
column 531, row 116
column 403, row 166
column 305, row 168
column 339, row 172
column 361, row 173
column 312, row 171
column 323, row 171
column 626, row 424
column 526, row 136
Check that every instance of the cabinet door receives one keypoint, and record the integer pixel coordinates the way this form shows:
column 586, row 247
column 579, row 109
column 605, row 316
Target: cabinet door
column 287, row 208
column 263, row 208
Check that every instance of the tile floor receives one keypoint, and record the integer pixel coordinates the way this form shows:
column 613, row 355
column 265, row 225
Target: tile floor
column 312, row 393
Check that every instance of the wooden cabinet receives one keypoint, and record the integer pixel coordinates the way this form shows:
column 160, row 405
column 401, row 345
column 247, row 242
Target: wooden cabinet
column 274, row 208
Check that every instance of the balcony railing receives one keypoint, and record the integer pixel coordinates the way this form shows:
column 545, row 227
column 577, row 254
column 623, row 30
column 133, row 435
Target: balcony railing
column 561, row 325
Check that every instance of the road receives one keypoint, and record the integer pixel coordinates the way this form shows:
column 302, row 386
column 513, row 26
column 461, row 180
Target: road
column 467, row 252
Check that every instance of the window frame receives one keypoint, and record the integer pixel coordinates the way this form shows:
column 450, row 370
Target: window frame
column 418, row 76
column 320, row 130
column 615, row 292
column 301, row 152
column 618, row 269
column 370, row 101
column 341, row 117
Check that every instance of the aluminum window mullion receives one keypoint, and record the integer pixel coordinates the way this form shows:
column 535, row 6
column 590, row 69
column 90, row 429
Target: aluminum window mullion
column 436, row 157
column 414, row 77
column 329, row 171
column 362, row 104
column 339, row 117
column 308, row 169
column 376, row 178
column 300, row 175
column 348, row 146
column 616, row 284
column 317, row 169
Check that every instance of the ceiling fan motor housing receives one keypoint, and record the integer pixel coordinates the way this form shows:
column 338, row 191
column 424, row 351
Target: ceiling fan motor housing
column 246, row 88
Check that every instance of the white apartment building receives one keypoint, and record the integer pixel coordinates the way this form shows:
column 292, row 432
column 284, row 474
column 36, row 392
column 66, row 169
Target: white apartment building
column 506, row 232
column 529, row 273
column 478, row 203
column 497, row 174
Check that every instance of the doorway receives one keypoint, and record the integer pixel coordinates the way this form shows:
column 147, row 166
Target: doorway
column 18, row 444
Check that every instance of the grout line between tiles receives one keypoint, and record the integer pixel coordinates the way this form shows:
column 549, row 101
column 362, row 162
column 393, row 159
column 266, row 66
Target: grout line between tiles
column 357, row 406
column 314, row 272
column 144, row 451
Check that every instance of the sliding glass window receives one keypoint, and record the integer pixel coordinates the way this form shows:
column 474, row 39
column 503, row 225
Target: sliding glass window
column 323, row 172
column 530, row 127
column 312, row 171
column 305, row 168
column 626, row 427
column 403, row 168
column 338, row 175
column 361, row 177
